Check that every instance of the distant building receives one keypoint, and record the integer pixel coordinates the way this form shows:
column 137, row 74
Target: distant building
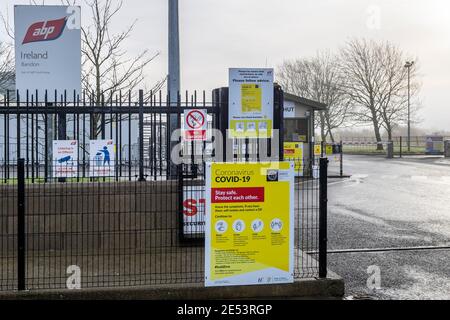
column 298, row 125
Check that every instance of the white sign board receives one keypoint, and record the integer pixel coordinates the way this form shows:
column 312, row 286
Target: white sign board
column 194, row 210
column 101, row 158
column 289, row 109
column 195, row 124
column 65, row 157
column 250, row 112
column 47, row 49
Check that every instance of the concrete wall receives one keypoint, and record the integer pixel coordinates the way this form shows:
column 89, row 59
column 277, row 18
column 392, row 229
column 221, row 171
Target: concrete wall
column 93, row 216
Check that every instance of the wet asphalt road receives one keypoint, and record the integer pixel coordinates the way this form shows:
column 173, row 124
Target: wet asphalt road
column 396, row 203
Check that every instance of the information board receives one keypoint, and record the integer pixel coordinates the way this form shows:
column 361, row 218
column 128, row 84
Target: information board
column 250, row 103
column 249, row 223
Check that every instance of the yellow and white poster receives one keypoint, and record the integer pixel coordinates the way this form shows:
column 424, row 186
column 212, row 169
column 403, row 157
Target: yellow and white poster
column 293, row 151
column 317, row 150
column 249, row 223
column 250, row 113
column 251, row 95
column 329, row 149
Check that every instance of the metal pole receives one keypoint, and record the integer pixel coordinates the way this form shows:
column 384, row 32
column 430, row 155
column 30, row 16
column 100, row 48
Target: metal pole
column 48, row 140
column 323, row 200
column 174, row 51
column 62, row 126
column 341, row 165
column 409, row 118
column 174, row 75
column 21, row 224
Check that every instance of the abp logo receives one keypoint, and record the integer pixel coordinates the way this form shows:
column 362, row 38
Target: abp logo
column 45, row 30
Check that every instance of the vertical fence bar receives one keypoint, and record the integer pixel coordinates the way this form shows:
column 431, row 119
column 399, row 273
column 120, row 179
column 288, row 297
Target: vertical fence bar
column 6, row 138
column 27, row 135
column 120, row 136
column 129, row 136
column 21, row 224
column 401, row 146
column 37, row 127
column 341, row 164
column 323, row 218
column 141, row 136
column 18, row 125
column 32, row 142
column 46, row 144
column 322, row 147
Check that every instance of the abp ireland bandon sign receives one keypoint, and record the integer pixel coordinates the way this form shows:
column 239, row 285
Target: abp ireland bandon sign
column 47, row 49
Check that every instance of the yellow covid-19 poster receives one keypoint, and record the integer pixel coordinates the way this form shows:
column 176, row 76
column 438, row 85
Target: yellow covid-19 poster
column 251, row 97
column 249, row 227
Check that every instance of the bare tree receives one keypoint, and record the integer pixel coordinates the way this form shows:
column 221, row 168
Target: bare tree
column 361, row 70
column 392, row 94
column 107, row 69
column 375, row 80
column 6, row 66
column 318, row 78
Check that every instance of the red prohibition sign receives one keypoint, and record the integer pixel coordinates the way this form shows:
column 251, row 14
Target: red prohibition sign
column 195, row 119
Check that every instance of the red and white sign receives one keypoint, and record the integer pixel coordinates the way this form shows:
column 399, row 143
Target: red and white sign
column 65, row 158
column 225, row 195
column 195, row 125
column 193, row 210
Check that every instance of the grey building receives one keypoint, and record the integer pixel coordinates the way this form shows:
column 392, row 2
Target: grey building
column 299, row 116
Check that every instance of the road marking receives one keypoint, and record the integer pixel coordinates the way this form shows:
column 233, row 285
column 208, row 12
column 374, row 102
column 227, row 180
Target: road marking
column 356, row 215
column 338, row 182
column 363, row 250
column 396, row 176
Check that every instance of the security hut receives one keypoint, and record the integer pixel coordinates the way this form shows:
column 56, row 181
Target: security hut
column 299, row 115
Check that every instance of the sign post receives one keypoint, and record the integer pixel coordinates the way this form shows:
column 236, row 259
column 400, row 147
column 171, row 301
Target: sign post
column 249, row 237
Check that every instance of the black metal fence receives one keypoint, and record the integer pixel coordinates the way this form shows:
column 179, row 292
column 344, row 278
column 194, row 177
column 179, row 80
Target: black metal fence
column 369, row 146
column 139, row 127
column 333, row 151
column 130, row 227
column 127, row 233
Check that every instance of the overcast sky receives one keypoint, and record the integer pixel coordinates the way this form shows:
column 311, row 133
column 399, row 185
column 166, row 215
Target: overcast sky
column 218, row 34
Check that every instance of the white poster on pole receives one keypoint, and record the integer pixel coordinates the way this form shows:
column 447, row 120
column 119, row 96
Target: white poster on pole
column 250, row 112
column 48, row 49
column 65, row 158
column 102, row 158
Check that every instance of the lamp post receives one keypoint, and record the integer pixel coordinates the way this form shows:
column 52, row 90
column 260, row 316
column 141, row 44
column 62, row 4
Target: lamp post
column 408, row 65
